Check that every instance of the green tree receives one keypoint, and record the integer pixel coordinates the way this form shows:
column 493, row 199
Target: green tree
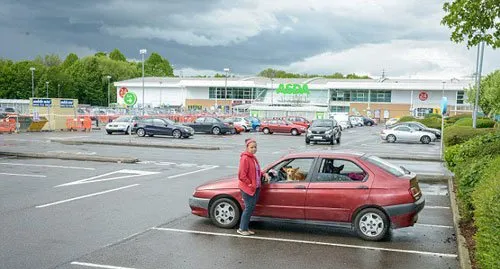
column 70, row 60
column 157, row 66
column 489, row 98
column 474, row 21
column 101, row 54
column 117, row 55
column 48, row 60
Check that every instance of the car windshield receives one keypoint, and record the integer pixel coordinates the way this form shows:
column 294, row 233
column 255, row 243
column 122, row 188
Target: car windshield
column 169, row 122
column 122, row 119
column 321, row 123
column 385, row 165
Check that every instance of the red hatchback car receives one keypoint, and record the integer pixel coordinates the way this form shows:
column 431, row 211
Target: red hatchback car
column 299, row 121
column 356, row 191
column 281, row 126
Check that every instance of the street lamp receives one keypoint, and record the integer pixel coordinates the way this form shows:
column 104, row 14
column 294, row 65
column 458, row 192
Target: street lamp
column 226, row 70
column 32, row 82
column 142, row 52
column 444, row 82
column 108, row 77
column 47, row 83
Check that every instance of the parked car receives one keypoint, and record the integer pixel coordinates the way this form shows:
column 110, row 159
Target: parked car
column 240, row 121
column 156, row 126
column 356, row 120
column 211, row 125
column 255, row 122
column 391, row 121
column 323, row 131
column 367, row 121
column 406, row 134
column 122, row 124
column 5, row 109
column 419, row 127
column 298, row 121
column 281, row 126
column 342, row 120
column 343, row 189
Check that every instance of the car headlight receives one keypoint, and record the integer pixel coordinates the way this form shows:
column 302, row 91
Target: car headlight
column 309, row 131
column 329, row 132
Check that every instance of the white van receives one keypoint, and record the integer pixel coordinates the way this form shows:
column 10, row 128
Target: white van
column 342, row 119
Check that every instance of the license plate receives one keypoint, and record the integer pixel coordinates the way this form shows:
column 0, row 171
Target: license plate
column 317, row 137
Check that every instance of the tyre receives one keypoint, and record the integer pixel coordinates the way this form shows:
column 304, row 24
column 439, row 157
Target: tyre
column 371, row 224
column 332, row 141
column 216, row 130
column 127, row 131
column 151, row 135
column 141, row 132
column 224, row 213
column 177, row 134
column 294, row 132
column 109, row 132
column 266, row 131
column 391, row 138
column 308, row 141
column 338, row 140
column 425, row 139
column 369, row 123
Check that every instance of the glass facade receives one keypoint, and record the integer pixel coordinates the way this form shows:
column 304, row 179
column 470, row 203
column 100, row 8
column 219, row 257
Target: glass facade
column 339, row 109
column 460, row 97
column 236, row 93
column 379, row 96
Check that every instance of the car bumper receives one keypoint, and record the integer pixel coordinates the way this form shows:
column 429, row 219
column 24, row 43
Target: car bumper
column 405, row 215
column 117, row 129
column 383, row 137
column 319, row 137
column 199, row 206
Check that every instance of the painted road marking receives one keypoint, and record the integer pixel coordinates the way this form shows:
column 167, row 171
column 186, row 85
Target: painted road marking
column 434, row 225
column 100, row 265
column 85, row 196
column 197, row 171
column 100, row 178
column 49, row 166
column 22, row 175
column 447, row 255
column 436, row 207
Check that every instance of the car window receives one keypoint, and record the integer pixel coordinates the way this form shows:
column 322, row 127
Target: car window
column 273, row 122
column 339, row 170
column 158, row 122
column 291, row 170
column 199, row 120
column 402, row 129
column 385, row 165
column 210, row 120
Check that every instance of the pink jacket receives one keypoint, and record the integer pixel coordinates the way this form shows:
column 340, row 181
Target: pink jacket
column 247, row 173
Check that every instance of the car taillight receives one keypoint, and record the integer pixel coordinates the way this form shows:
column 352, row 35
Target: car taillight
column 415, row 189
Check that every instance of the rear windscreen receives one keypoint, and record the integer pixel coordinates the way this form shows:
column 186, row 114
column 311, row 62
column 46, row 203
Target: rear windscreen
column 385, row 165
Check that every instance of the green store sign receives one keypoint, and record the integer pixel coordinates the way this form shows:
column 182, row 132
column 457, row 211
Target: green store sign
column 293, row 89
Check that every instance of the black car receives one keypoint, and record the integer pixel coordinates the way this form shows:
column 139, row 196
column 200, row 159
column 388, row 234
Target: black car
column 154, row 126
column 326, row 130
column 367, row 121
column 418, row 126
column 211, row 125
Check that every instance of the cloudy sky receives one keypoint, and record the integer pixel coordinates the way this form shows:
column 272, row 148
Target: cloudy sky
column 404, row 38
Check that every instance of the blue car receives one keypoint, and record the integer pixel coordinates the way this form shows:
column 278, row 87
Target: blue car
column 255, row 122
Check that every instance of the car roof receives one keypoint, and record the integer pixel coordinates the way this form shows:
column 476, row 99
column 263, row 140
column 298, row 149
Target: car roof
column 330, row 153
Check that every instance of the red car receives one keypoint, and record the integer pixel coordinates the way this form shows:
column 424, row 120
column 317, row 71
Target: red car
column 356, row 191
column 281, row 126
column 299, row 121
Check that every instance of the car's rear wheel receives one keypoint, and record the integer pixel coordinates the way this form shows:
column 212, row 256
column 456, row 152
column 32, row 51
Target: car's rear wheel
column 109, row 132
column 266, row 131
column 425, row 139
column 224, row 213
column 295, row 132
column 338, row 140
column 371, row 224
column 216, row 130
column 332, row 141
column 141, row 132
column 369, row 123
column 127, row 131
column 176, row 134
column 308, row 141
column 391, row 138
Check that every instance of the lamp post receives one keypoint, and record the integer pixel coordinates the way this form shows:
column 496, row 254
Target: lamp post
column 109, row 85
column 58, row 90
column 161, row 90
column 143, row 52
column 479, row 69
column 32, row 82
column 226, row 70
column 443, row 82
column 47, row 84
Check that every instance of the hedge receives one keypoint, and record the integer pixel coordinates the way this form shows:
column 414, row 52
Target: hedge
column 480, row 123
column 431, row 122
column 458, row 134
column 453, row 119
column 433, row 115
column 407, row 118
column 486, row 199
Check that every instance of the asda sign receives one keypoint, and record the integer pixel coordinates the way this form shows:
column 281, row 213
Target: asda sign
column 293, row 89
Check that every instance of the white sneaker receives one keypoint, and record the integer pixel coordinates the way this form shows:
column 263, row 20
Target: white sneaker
column 244, row 233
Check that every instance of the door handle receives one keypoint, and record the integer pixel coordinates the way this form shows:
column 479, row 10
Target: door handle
column 363, row 187
column 299, row 187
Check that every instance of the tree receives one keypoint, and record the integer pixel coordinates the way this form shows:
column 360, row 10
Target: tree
column 100, row 54
column 489, row 99
column 70, row 60
column 49, row 60
column 474, row 21
column 117, row 55
column 157, row 66
column 273, row 73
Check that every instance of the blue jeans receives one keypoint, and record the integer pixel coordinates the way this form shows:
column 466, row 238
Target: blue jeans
column 250, row 202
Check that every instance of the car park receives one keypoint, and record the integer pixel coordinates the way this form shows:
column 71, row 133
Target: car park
column 281, row 126
column 157, row 126
column 326, row 130
column 211, row 125
column 122, row 124
column 356, row 120
column 419, row 127
column 346, row 190
column 404, row 133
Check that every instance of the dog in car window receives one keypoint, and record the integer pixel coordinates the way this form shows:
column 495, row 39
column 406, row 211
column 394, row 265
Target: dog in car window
column 293, row 174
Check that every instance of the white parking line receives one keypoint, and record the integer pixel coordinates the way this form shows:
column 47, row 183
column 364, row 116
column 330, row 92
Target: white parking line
column 100, row 265
column 447, row 255
column 22, row 175
column 49, row 166
column 434, row 225
column 437, row 207
column 85, row 196
column 197, row 171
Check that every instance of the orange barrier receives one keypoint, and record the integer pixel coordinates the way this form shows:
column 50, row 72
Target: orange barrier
column 80, row 123
column 8, row 125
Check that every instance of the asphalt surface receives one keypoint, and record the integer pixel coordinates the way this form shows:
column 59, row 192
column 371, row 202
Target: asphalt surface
column 74, row 214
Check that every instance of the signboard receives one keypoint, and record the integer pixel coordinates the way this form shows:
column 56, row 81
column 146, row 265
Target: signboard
column 66, row 103
column 444, row 105
column 320, row 115
column 293, row 89
column 122, row 91
column 130, row 99
column 423, row 96
column 36, row 116
column 42, row 102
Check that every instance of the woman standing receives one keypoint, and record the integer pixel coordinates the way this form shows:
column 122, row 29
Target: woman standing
column 249, row 175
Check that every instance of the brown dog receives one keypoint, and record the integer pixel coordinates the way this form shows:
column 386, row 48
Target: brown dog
column 293, row 174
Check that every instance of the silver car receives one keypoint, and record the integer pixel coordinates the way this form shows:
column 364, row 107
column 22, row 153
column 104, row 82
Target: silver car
column 406, row 134
column 121, row 124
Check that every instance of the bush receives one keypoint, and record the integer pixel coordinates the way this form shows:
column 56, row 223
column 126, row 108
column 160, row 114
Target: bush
column 480, row 123
column 455, row 118
column 433, row 115
column 431, row 122
column 449, row 156
column 486, row 199
column 407, row 118
column 454, row 134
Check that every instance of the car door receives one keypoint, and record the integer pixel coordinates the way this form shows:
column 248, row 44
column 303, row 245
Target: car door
column 280, row 198
column 197, row 125
column 208, row 124
column 337, row 188
column 404, row 133
column 148, row 126
column 281, row 126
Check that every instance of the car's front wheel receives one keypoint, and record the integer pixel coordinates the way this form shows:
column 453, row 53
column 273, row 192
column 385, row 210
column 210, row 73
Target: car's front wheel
column 141, row 132
column 266, row 131
column 425, row 139
column 295, row 132
column 176, row 134
column 308, row 141
column 371, row 224
column 216, row 130
column 225, row 213
column 109, row 132
column 391, row 138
